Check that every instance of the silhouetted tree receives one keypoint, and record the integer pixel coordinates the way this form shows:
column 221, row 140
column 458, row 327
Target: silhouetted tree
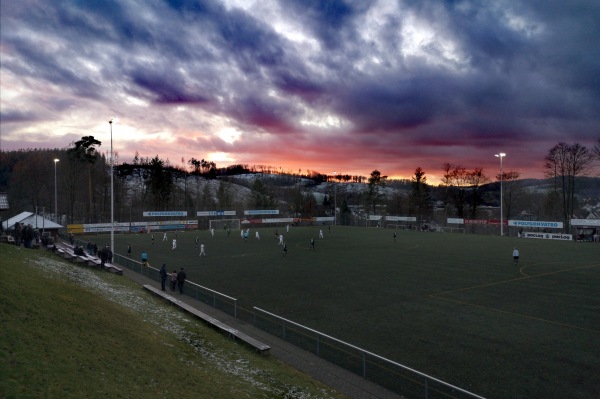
column 84, row 151
column 564, row 163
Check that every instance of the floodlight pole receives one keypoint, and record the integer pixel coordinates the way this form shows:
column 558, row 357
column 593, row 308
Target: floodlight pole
column 112, row 191
column 501, row 155
column 334, row 200
column 56, row 160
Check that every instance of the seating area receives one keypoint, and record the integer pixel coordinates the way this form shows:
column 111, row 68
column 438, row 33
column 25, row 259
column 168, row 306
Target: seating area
column 67, row 251
column 260, row 347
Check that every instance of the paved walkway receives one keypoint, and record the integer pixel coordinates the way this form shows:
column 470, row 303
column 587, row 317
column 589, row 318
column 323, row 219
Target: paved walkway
column 331, row 375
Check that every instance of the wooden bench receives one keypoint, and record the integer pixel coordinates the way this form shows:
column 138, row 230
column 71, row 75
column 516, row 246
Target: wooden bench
column 261, row 347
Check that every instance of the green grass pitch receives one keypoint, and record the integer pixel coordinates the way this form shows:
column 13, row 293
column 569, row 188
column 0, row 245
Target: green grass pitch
column 454, row 306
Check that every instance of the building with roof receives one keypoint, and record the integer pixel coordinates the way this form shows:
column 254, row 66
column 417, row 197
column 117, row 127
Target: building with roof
column 38, row 222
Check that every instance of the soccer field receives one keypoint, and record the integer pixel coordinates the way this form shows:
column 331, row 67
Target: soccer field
column 454, row 306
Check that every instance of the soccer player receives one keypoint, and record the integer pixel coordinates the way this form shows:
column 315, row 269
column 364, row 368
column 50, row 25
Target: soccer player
column 212, row 232
column 281, row 239
column 312, row 244
column 395, row 235
column 516, row 256
column 257, row 235
column 202, row 253
column 320, row 233
column 287, row 228
column 174, row 244
column 164, row 236
column 152, row 239
column 284, row 249
column 196, row 242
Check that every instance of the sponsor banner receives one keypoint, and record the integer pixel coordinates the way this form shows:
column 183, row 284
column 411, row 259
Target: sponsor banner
column 375, row 217
column 216, row 213
column 549, row 236
column 262, row 212
column 278, row 220
column 456, row 221
column 533, row 223
column 585, row 222
column 401, row 218
column 268, row 220
column 485, row 221
column 324, row 219
column 165, row 213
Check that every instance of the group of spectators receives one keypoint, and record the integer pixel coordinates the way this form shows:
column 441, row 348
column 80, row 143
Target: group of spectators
column 25, row 234
column 177, row 278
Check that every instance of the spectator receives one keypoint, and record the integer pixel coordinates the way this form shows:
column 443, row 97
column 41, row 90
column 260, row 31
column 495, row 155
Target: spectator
column 181, row 280
column 163, row 276
column 144, row 258
column 173, row 280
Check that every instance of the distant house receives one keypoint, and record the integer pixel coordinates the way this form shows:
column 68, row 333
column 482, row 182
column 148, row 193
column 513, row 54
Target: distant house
column 38, row 222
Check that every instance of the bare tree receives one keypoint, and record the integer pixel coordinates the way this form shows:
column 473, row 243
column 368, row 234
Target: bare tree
column 374, row 194
column 476, row 178
column 511, row 185
column 84, row 151
column 420, row 198
column 564, row 163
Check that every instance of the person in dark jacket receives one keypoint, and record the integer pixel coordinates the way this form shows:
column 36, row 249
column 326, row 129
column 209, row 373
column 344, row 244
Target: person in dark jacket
column 103, row 255
column 163, row 276
column 180, row 280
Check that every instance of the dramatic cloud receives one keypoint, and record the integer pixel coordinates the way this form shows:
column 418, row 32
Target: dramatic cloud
column 348, row 86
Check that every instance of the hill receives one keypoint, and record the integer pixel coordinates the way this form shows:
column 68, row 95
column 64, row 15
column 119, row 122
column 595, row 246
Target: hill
column 68, row 332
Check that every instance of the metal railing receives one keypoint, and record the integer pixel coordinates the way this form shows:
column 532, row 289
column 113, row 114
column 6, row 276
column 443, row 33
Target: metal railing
column 391, row 375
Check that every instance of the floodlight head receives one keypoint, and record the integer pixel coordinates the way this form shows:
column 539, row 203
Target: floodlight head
column 113, row 119
column 500, row 155
column 56, row 160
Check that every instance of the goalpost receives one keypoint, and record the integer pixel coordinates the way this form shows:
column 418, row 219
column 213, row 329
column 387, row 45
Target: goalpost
column 451, row 229
column 221, row 224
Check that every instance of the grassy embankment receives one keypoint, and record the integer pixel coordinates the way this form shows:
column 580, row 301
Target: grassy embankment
column 70, row 332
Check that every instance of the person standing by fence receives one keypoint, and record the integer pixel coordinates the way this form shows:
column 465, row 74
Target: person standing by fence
column 144, row 258
column 163, row 276
column 173, row 280
column 181, row 280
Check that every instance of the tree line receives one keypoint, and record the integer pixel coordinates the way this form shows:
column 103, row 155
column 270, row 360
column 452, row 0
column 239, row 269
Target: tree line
column 151, row 183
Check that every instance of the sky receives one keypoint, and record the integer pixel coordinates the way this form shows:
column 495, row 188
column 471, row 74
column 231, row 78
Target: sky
column 328, row 86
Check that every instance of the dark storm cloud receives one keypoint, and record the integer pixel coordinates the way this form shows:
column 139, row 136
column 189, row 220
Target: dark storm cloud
column 389, row 79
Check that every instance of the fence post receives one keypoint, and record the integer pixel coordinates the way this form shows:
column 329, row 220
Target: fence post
column 318, row 347
column 364, row 359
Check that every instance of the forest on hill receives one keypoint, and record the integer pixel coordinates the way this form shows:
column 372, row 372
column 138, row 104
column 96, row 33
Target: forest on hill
column 77, row 182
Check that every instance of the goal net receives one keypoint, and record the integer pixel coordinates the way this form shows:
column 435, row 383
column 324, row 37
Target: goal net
column 401, row 226
column 451, row 230
column 223, row 224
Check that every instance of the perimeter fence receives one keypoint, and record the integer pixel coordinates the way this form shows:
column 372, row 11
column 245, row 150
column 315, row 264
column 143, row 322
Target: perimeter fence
column 391, row 375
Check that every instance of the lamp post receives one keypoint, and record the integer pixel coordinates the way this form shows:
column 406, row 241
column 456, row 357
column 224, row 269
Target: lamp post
column 56, row 160
column 335, row 200
column 501, row 155
column 112, row 191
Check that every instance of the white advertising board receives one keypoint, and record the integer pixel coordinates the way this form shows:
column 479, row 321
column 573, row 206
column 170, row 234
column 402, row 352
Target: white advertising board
column 262, row 212
column 216, row 213
column 165, row 213
column 401, row 218
column 549, row 236
column 535, row 223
